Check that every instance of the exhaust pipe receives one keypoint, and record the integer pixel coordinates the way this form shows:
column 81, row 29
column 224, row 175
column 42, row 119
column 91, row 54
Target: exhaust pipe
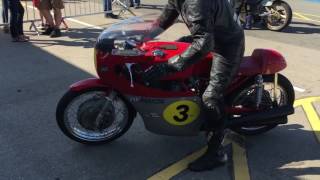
column 272, row 116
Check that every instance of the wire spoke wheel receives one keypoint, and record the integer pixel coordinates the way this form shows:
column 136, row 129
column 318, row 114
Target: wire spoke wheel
column 247, row 98
column 280, row 17
column 93, row 117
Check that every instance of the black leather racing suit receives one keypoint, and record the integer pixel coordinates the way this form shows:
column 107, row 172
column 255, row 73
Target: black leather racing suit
column 213, row 29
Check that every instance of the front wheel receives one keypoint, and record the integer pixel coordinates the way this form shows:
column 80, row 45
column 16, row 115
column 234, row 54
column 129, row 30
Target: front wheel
column 93, row 116
column 280, row 17
column 246, row 97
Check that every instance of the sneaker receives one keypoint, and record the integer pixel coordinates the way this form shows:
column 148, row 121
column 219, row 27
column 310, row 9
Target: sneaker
column 111, row 15
column 55, row 33
column 6, row 29
column 48, row 31
column 136, row 6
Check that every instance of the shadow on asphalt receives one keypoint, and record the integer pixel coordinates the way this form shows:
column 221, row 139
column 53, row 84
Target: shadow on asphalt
column 304, row 28
column 80, row 37
column 287, row 152
column 32, row 81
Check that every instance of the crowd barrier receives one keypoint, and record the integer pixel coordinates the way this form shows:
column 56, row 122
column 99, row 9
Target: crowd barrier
column 73, row 8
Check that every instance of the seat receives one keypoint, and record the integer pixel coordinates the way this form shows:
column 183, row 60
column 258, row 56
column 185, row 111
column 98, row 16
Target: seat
column 262, row 61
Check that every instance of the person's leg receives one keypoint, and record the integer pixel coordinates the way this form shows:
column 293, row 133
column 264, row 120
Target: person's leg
column 249, row 17
column 57, row 6
column 45, row 7
column 20, row 18
column 222, row 71
column 108, row 8
column 13, row 7
column 5, row 15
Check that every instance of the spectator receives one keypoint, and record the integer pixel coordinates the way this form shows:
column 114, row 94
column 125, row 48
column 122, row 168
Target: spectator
column 16, row 21
column 36, row 3
column 135, row 3
column 5, row 16
column 54, row 26
column 107, row 8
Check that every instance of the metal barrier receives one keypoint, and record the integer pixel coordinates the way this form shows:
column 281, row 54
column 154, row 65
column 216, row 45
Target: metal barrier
column 75, row 8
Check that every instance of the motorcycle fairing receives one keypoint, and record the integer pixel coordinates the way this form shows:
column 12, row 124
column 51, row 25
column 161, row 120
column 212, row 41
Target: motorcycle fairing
column 152, row 111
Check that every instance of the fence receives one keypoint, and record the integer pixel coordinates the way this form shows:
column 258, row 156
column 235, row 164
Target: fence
column 74, row 8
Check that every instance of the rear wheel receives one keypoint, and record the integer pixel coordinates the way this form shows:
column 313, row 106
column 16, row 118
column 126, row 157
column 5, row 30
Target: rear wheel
column 247, row 98
column 93, row 117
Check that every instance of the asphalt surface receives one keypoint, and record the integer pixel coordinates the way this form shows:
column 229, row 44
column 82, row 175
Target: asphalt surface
column 34, row 76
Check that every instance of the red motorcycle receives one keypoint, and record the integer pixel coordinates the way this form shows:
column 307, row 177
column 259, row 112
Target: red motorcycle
column 99, row 110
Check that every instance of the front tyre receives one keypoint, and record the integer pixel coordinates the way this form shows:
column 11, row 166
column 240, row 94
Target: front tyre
column 93, row 117
column 280, row 17
column 246, row 97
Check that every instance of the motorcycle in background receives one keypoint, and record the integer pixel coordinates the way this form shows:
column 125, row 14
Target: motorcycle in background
column 273, row 14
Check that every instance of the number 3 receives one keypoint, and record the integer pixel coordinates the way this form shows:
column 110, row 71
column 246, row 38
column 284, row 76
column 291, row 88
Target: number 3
column 183, row 111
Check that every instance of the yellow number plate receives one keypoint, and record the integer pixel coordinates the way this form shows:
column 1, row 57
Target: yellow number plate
column 181, row 113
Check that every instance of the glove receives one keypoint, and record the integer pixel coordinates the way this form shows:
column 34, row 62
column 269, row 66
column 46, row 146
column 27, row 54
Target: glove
column 186, row 39
column 177, row 63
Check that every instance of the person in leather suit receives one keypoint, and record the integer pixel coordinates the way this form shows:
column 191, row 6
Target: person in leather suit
column 213, row 29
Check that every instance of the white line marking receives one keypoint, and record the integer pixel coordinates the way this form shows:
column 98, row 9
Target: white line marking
column 83, row 23
column 298, row 89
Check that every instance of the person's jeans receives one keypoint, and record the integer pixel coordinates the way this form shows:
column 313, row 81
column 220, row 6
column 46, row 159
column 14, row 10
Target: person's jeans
column 16, row 18
column 135, row 2
column 5, row 11
column 107, row 5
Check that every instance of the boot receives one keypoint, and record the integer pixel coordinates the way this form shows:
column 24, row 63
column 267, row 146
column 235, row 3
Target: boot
column 248, row 23
column 213, row 157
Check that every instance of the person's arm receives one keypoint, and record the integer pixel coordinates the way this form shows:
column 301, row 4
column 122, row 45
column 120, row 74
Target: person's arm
column 165, row 20
column 203, row 38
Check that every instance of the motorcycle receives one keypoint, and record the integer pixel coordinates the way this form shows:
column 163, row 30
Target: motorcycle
column 273, row 14
column 99, row 110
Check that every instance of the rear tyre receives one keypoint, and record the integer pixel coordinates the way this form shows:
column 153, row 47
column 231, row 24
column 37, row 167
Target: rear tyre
column 247, row 98
column 78, row 113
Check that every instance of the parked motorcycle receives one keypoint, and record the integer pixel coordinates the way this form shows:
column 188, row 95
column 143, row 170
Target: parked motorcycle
column 99, row 110
column 273, row 14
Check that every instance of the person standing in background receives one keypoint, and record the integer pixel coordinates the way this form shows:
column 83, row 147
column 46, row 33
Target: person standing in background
column 16, row 21
column 54, row 26
column 5, row 15
column 107, row 8
column 135, row 3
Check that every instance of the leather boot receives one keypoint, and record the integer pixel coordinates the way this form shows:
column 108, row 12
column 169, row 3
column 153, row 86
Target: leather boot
column 248, row 23
column 213, row 157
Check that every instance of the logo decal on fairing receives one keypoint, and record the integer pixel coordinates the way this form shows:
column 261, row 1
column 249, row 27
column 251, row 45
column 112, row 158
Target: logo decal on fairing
column 181, row 113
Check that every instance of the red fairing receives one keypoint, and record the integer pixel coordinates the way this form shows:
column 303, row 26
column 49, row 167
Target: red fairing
column 262, row 61
column 110, row 69
column 122, row 83
column 88, row 84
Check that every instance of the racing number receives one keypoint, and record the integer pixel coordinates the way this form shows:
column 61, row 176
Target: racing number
column 181, row 112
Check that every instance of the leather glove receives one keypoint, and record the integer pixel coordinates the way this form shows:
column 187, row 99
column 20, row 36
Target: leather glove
column 186, row 39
